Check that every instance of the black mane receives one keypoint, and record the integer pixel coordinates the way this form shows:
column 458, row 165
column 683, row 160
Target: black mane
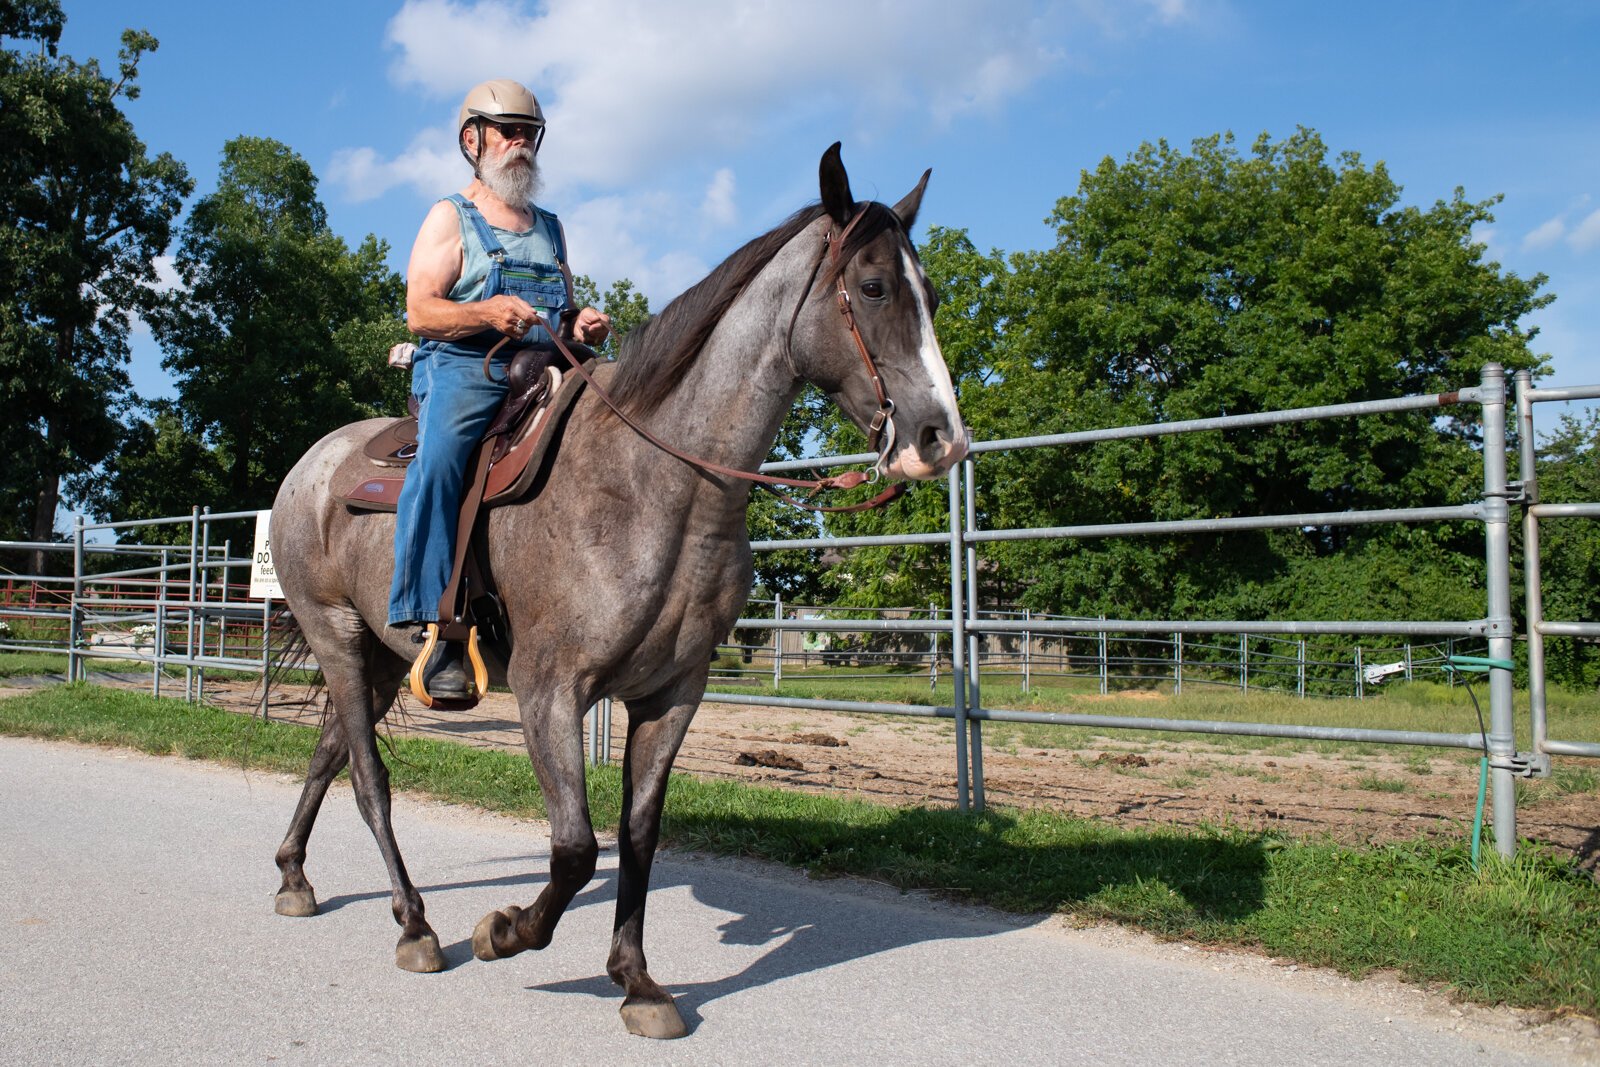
column 656, row 355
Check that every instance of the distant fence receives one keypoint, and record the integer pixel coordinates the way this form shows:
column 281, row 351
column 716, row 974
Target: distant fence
column 1106, row 660
column 184, row 608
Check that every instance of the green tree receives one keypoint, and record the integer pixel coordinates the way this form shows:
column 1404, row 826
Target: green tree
column 87, row 214
column 627, row 307
column 1217, row 282
column 280, row 332
column 1569, row 473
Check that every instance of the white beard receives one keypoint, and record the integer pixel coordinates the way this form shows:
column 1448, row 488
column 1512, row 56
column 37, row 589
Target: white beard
column 514, row 177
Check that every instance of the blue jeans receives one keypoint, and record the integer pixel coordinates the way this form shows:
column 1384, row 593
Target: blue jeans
column 457, row 402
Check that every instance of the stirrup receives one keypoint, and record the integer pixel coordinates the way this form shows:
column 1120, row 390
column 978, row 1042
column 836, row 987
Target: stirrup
column 479, row 673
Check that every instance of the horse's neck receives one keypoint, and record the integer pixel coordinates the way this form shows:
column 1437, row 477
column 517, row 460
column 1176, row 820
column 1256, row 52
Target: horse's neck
column 729, row 406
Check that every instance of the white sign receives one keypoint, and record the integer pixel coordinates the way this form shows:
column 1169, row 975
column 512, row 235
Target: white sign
column 263, row 579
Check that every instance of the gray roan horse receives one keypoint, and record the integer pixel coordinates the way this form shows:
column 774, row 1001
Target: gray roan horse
column 625, row 571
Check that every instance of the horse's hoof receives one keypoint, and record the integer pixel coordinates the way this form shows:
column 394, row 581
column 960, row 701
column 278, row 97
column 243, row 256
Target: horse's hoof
column 421, row 955
column 297, row 903
column 653, row 1018
column 494, row 926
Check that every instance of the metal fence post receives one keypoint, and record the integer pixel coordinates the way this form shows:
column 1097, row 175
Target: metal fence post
column 777, row 643
column 188, row 641
column 1177, row 663
column 1532, row 568
column 75, row 637
column 933, row 649
column 1301, row 671
column 205, row 563
column 1105, row 660
column 1361, row 677
column 974, row 658
column 1027, row 652
column 222, row 620
column 958, row 636
column 266, row 653
column 1497, row 552
column 1244, row 663
column 161, row 628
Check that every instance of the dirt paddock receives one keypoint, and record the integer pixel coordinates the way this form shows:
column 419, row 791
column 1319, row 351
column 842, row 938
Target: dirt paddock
column 1354, row 798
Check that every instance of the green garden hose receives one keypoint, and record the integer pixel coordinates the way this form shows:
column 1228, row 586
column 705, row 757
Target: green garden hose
column 1469, row 665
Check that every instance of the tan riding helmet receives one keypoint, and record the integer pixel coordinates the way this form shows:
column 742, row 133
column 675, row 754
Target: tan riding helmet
column 500, row 100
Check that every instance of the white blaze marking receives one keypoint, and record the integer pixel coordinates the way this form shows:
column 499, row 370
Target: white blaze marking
column 932, row 357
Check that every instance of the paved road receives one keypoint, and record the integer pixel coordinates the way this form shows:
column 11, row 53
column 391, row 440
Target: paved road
column 137, row 893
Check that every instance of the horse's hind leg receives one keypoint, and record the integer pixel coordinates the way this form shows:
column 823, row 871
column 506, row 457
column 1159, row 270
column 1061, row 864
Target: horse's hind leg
column 295, row 896
column 354, row 665
column 555, row 744
column 655, row 730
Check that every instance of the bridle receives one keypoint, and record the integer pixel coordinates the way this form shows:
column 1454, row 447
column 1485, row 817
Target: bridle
column 883, row 418
column 881, row 426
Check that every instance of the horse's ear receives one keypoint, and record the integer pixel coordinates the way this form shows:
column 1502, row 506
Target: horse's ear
column 907, row 207
column 836, row 198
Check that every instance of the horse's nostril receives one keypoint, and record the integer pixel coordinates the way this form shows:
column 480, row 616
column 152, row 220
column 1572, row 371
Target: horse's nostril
column 928, row 439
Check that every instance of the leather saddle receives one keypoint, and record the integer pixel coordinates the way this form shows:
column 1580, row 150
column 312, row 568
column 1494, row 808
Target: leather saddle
column 502, row 469
column 518, row 437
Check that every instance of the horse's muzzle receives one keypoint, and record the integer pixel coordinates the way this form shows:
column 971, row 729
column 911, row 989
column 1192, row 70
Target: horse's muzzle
column 931, row 452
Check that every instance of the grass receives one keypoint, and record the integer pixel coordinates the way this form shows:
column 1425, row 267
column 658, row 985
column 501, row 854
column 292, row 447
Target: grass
column 1524, row 933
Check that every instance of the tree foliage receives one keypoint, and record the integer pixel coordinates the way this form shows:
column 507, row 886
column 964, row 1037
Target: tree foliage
column 1569, row 473
column 1215, row 282
column 87, row 214
column 279, row 333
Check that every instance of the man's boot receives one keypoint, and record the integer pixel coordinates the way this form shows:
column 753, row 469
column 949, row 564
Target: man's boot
column 444, row 676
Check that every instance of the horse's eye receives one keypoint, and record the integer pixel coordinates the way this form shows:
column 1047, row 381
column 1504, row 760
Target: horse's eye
column 872, row 290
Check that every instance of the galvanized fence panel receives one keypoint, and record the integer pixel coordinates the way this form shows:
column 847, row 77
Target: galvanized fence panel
column 186, row 599
column 1493, row 630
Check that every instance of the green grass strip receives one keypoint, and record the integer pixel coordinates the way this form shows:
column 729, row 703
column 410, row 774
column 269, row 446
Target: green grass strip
column 1524, row 933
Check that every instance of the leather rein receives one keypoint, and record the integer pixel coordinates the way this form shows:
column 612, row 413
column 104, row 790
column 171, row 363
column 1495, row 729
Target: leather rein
column 882, row 421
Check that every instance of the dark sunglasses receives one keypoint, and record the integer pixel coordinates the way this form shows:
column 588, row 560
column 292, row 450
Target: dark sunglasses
column 528, row 131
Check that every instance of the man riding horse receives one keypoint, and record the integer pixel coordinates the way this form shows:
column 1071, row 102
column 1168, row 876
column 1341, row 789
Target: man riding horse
column 486, row 262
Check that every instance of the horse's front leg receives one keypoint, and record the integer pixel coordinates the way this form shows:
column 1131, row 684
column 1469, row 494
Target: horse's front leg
column 554, row 732
column 656, row 726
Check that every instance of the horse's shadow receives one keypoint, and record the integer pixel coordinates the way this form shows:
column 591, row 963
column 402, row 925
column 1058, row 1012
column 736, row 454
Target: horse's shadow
column 1219, row 877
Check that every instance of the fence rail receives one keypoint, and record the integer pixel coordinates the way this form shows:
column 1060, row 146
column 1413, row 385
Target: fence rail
column 187, row 611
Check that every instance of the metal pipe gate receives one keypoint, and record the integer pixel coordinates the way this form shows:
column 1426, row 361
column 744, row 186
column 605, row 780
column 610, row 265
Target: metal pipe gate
column 1496, row 626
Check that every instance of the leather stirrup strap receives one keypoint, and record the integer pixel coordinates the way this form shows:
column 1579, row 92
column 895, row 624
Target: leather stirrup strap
column 450, row 610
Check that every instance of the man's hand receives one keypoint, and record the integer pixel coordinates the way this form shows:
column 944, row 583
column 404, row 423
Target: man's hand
column 592, row 327
column 511, row 315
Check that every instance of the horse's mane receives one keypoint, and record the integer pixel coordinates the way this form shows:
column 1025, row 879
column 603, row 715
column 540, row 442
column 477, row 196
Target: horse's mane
column 656, row 355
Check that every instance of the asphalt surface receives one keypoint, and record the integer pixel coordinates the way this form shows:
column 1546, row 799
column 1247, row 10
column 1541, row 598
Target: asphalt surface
column 137, row 893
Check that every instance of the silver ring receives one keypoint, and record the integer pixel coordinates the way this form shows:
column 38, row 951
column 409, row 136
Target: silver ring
column 520, row 325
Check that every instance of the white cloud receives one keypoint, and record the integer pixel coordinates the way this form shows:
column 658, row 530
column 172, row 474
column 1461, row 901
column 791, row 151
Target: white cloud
column 640, row 85
column 166, row 280
column 431, row 165
column 1545, row 235
column 718, row 208
column 1586, row 234
column 602, row 234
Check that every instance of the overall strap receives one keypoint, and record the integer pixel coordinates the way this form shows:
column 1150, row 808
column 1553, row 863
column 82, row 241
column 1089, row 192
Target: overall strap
column 469, row 211
column 558, row 234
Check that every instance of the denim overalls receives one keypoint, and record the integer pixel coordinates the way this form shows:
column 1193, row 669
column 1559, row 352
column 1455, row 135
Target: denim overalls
column 456, row 401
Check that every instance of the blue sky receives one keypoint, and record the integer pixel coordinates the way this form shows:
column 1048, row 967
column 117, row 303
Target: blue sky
column 679, row 130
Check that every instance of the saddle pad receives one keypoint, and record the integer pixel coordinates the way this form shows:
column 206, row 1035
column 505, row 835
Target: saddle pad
column 375, row 473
